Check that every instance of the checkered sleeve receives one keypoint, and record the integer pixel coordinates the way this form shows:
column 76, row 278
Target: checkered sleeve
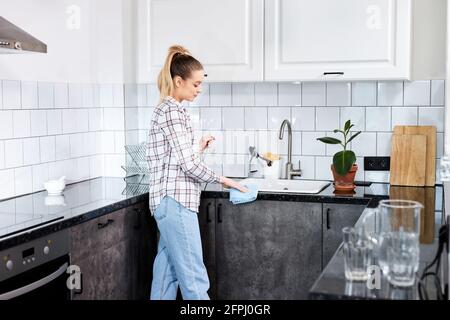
column 174, row 128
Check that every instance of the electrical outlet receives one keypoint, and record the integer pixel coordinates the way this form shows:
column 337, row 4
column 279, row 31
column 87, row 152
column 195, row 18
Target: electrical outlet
column 377, row 163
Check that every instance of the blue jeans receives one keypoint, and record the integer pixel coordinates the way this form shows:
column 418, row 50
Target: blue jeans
column 179, row 261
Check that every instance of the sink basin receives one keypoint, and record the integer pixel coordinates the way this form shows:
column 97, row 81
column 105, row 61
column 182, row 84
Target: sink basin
column 287, row 186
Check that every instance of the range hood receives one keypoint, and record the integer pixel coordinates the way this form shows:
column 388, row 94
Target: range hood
column 15, row 40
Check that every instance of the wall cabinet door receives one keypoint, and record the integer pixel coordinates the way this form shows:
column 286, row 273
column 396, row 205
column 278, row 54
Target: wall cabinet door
column 336, row 217
column 363, row 39
column 226, row 36
column 267, row 249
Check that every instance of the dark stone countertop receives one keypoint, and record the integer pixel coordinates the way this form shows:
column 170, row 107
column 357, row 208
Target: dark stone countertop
column 35, row 215
column 332, row 284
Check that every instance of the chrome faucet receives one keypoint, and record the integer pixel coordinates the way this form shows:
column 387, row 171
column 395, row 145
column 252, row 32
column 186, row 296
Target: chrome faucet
column 290, row 171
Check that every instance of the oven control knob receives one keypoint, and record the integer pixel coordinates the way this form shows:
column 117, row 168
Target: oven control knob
column 9, row 265
column 46, row 250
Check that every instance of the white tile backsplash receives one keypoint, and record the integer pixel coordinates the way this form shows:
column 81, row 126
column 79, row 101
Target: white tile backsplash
column 40, row 175
column 255, row 118
column 266, row 94
column 7, row 185
column 327, row 118
column 106, row 95
column 29, row 94
column 432, row 116
column 437, row 92
column 378, row 119
column 243, row 94
column 220, row 95
column 62, row 147
column 364, row 94
column 310, row 144
column 21, row 126
column 339, row 94
column 323, row 168
column 85, row 136
column 211, row 118
column 276, row 116
column 390, row 93
column 417, row 93
column 39, row 122
column 303, row 119
column 61, row 91
column 45, row 95
column 233, row 118
column 404, row 116
column 47, row 147
column 384, row 144
column 365, row 144
column 289, row 94
column 54, row 121
column 31, row 151
column 13, row 153
column 11, row 94
column 23, row 179
column 2, row 155
column 314, row 94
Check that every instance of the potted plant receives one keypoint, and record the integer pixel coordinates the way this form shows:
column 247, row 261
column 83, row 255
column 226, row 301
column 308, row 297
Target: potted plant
column 344, row 167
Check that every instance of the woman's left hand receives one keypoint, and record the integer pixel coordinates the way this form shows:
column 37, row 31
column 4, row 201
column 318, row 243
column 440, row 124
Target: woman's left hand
column 205, row 141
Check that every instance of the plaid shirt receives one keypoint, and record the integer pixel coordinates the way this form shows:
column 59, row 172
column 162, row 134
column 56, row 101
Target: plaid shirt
column 175, row 169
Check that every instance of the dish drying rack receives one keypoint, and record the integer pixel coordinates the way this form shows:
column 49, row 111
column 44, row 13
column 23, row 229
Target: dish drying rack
column 137, row 172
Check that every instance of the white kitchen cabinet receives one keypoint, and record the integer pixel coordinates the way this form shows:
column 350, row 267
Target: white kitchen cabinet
column 226, row 36
column 354, row 39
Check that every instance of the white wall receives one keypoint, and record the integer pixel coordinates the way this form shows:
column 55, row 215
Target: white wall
column 90, row 53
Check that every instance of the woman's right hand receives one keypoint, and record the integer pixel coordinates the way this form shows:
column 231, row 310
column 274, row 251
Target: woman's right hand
column 232, row 184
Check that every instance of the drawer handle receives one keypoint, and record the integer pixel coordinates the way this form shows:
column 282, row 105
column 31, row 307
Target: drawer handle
column 103, row 225
column 328, row 218
column 333, row 73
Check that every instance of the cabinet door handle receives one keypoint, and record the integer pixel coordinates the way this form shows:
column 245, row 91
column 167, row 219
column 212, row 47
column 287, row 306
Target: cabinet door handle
column 328, row 218
column 208, row 218
column 103, row 225
column 137, row 224
column 219, row 213
column 333, row 73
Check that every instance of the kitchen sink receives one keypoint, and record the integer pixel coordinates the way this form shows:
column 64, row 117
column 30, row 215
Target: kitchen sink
column 287, row 186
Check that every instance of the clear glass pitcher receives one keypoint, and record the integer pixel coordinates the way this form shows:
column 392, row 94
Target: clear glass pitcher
column 394, row 229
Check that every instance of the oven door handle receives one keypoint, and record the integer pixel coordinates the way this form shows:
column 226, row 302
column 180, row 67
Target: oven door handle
column 34, row 285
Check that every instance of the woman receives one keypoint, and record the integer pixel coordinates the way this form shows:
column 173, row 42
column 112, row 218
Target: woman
column 176, row 172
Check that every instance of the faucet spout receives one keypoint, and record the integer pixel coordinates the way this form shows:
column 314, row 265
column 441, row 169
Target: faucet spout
column 290, row 171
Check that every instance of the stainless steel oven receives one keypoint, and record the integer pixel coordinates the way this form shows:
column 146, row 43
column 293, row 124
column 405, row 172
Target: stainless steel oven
column 36, row 269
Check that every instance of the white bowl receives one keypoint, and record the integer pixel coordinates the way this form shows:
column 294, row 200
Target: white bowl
column 55, row 187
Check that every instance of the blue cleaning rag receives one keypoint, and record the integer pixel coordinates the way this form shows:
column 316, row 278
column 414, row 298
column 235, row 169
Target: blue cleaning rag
column 238, row 197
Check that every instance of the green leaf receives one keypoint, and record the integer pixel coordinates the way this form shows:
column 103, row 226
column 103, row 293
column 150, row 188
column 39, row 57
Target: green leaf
column 343, row 161
column 329, row 140
column 347, row 125
column 353, row 136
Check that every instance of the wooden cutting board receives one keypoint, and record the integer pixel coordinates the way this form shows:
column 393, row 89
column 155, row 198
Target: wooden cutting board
column 430, row 133
column 408, row 160
column 425, row 196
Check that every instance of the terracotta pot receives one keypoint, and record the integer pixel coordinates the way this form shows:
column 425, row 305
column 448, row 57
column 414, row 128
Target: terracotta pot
column 347, row 182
